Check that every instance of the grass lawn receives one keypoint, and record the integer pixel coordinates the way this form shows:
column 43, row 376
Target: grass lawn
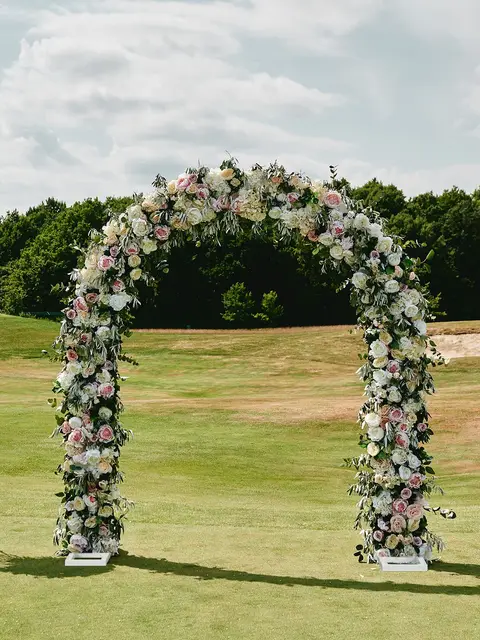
column 242, row 526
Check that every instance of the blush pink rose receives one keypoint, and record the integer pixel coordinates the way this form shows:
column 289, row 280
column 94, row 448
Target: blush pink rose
column 76, row 436
column 378, row 535
column 415, row 480
column 132, row 249
column 114, row 251
column 332, row 199
column 108, row 365
column 403, row 426
column 85, row 338
column 277, row 179
column 414, row 511
column 411, row 275
column 406, row 493
column 66, row 428
column 105, row 433
column 72, row 355
column 91, row 298
column 338, row 228
column 312, row 236
column 399, row 505
column 402, row 440
column 71, row 314
column 80, row 304
column 292, row 197
column 105, row 263
column 393, row 366
column 106, row 390
column 398, row 523
column 417, row 541
column 374, row 255
column 162, row 232
column 118, row 285
column 395, row 415
column 103, row 530
column 202, row 192
column 185, row 180
column 90, row 501
column 422, row 426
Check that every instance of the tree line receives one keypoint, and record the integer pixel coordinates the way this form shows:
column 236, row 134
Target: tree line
column 247, row 281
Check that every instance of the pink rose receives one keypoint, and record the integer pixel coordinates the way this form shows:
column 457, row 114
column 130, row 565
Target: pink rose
column 403, row 426
column 415, row 480
column 406, row 493
column 374, row 255
column 395, row 415
column 162, row 232
column 221, row 204
column 118, row 285
column 398, row 524
column 106, row 390
column 332, row 199
column 103, row 530
column 417, row 541
column 80, row 304
column 411, row 275
column 402, row 440
column 71, row 314
column 398, row 271
column 383, row 553
column 378, row 535
column 338, row 228
column 105, row 433
column 85, row 338
column 91, row 298
column 105, row 263
column 66, row 428
column 76, row 436
column 185, row 180
column 132, row 249
column 114, row 251
column 393, row 366
column 202, row 192
column 236, row 205
column 399, row 505
column 312, row 236
column 414, row 511
column 292, row 197
column 422, row 426
column 277, row 179
column 192, row 188
column 72, row 355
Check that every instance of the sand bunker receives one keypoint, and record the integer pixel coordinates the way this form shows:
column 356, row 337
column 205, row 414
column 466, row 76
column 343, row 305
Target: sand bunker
column 458, row 346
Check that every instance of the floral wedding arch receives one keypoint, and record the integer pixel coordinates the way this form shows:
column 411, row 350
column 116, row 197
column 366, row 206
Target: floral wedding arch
column 393, row 476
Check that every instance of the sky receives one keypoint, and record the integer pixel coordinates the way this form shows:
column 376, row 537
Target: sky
column 99, row 96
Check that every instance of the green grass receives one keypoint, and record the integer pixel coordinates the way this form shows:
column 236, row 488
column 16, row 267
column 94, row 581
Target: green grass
column 242, row 525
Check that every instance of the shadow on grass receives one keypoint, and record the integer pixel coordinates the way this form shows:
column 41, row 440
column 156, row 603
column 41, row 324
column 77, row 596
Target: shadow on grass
column 54, row 568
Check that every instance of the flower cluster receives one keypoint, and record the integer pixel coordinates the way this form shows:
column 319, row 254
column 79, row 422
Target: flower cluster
column 207, row 203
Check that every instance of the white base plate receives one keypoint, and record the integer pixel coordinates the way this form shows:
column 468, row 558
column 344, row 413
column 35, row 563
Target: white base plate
column 410, row 563
column 87, row 559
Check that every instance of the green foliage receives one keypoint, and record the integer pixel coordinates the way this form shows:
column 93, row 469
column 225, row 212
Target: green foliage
column 37, row 252
column 239, row 305
column 271, row 310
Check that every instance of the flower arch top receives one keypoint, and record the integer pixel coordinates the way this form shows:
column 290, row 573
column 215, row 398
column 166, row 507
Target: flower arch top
column 204, row 204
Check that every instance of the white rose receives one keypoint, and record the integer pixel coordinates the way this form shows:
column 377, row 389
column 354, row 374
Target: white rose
column 394, row 259
column 382, row 377
column 411, row 310
column 394, row 395
column 372, row 419
column 379, row 363
column 361, row 221
column 74, row 367
column 65, row 379
column 375, row 230
column 105, row 413
column 148, row 246
column 392, row 286
column 413, row 461
column 336, row 252
column 384, row 245
column 118, row 301
column 134, row 261
column 140, row 227
column 421, row 327
column 134, row 211
column 414, row 296
column 92, row 457
column 103, row 333
column 399, row 456
column 395, row 309
column 75, row 422
column 376, row 433
column 326, row 239
column 378, row 349
column 275, row 213
column 373, row 449
column 194, row 216
column 359, row 280
column 135, row 274
column 404, row 473
column 405, row 344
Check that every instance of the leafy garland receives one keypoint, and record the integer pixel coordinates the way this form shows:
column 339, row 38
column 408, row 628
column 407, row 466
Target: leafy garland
column 393, row 474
